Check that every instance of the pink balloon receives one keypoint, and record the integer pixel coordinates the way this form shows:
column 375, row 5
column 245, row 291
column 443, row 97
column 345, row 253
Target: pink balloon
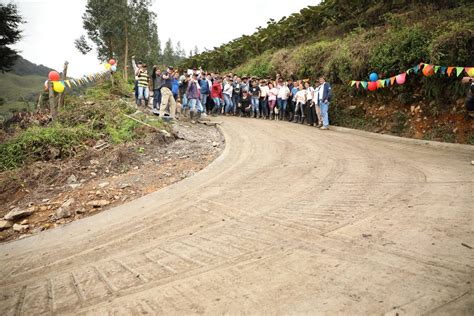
column 401, row 78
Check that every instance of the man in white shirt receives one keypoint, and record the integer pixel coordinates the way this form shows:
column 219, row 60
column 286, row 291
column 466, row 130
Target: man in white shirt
column 282, row 98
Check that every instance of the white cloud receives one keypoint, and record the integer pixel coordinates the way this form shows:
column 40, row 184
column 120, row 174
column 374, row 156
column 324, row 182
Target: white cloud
column 52, row 26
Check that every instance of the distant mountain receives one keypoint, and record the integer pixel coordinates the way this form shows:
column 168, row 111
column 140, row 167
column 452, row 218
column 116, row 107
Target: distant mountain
column 21, row 85
column 25, row 67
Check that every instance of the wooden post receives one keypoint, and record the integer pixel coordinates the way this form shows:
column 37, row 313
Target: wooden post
column 61, row 96
column 52, row 100
column 40, row 100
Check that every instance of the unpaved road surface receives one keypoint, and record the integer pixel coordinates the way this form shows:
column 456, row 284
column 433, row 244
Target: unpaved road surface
column 289, row 219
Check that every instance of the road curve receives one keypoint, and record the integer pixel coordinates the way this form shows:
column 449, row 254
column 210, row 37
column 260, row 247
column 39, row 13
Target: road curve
column 289, row 219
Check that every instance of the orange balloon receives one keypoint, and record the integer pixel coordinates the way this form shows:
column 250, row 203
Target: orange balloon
column 428, row 70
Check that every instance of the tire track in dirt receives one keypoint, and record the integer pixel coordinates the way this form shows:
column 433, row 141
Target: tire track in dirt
column 276, row 224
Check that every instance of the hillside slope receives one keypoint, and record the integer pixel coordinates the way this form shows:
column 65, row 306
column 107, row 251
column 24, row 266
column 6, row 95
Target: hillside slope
column 20, row 88
column 346, row 41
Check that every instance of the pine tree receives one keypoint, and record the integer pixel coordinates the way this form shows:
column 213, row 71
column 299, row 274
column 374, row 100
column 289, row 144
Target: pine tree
column 10, row 33
column 168, row 53
column 113, row 28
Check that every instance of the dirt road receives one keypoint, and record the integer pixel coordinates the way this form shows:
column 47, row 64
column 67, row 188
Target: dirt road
column 289, row 219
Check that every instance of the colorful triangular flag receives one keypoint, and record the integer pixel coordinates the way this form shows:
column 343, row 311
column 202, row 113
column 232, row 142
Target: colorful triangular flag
column 364, row 84
column 469, row 71
column 459, row 71
column 450, row 70
column 415, row 69
column 357, row 84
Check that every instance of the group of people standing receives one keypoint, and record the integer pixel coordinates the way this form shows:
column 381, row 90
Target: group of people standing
column 201, row 93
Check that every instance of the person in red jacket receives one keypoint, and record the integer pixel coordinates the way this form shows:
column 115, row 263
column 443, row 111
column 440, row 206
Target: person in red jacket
column 216, row 95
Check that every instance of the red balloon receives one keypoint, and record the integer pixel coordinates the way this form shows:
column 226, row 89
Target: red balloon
column 112, row 61
column 53, row 75
column 372, row 85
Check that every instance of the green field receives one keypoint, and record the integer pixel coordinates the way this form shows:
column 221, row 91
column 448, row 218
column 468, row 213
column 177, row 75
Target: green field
column 19, row 92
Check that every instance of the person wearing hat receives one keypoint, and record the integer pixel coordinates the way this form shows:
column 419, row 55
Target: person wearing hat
column 245, row 106
column 167, row 99
column 245, row 84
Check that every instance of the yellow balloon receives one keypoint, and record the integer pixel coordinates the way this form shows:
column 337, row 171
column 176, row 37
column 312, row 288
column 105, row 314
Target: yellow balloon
column 107, row 66
column 58, row 86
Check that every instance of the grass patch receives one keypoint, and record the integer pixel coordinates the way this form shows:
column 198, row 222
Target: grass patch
column 43, row 143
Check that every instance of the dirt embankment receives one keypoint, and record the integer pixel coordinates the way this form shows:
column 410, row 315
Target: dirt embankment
column 44, row 195
column 419, row 120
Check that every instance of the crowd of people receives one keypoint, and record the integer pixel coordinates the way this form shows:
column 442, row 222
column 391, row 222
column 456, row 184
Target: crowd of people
column 198, row 93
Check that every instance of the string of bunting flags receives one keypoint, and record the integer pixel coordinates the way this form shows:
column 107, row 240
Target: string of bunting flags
column 60, row 85
column 428, row 70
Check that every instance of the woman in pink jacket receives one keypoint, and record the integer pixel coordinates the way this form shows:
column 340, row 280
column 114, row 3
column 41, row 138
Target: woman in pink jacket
column 272, row 96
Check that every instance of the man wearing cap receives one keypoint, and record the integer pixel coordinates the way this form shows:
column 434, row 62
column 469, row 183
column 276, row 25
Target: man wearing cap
column 167, row 98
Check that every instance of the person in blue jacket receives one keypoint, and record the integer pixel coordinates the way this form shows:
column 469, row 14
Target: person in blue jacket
column 175, row 85
column 323, row 97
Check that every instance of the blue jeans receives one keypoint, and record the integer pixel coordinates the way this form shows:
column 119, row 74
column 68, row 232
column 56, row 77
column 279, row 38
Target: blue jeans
column 282, row 105
column 229, row 106
column 217, row 105
column 255, row 104
column 156, row 98
column 142, row 93
column 200, row 107
column 263, row 103
column 324, row 112
column 235, row 101
column 192, row 104
column 184, row 102
column 204, row 97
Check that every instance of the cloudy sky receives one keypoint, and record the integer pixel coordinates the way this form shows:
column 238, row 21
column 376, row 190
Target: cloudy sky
column 52, row 26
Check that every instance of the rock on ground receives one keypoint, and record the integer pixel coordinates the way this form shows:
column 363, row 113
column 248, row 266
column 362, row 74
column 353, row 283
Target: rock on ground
column 18, row 213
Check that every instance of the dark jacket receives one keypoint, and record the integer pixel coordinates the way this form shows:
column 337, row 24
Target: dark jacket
column 327, row 93
column 157, row 81
column 192, row 91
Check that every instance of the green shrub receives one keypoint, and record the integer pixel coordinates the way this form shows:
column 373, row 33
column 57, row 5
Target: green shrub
column 401, row 49
column 43, row 143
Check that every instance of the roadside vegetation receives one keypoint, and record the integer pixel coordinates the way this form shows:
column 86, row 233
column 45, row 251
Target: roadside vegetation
column 99, row 115
column 347, row 40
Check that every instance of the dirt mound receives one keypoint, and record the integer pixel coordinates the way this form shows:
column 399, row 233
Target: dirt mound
column 103, row 175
